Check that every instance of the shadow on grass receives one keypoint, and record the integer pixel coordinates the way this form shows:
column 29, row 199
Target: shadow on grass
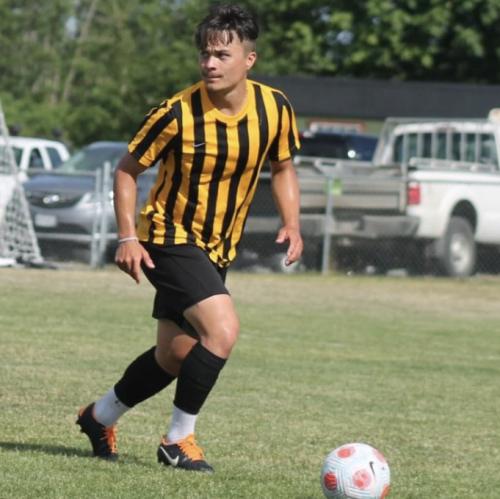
column 55, row 450
column 59, row 450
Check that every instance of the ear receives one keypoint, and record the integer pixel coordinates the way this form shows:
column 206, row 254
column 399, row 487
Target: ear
column 250, row 60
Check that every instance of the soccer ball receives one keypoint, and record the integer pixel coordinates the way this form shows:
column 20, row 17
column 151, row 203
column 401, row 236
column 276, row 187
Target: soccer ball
column 355, row 471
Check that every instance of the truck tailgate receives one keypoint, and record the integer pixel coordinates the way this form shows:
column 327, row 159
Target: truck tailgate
column 373, row 189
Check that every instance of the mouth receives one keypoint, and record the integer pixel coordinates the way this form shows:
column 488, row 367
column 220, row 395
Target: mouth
column 211, row 78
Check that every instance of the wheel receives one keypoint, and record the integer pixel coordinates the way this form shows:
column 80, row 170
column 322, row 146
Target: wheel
column 458, row 250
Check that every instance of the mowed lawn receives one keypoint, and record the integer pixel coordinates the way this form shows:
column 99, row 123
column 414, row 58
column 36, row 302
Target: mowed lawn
column 409, row 365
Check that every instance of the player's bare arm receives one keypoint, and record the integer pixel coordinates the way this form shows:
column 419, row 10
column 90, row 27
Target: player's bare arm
column 286, row 193
column 130, row 252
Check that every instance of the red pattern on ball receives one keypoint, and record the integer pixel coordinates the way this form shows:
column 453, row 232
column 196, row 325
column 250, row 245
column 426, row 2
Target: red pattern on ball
column 330, row 480
column 345, row 452
column 362, row 479
column 385, row 492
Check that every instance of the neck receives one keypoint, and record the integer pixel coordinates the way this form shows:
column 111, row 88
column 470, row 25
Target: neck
column 230, row 101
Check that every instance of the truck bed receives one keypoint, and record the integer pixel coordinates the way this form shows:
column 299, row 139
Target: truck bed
column 377, row 189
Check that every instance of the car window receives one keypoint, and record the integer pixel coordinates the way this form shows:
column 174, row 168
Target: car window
column 456, row 144
column 412, row 145
column 426, row 145
column 338, row 146
column 398, row 149
column 323, row 147
column 470, row 147
column 35, row 159
column 55, row 157
column 487, row 152
column 361, row 147
column 441, row 145
column 91, row 158
column 17, row 154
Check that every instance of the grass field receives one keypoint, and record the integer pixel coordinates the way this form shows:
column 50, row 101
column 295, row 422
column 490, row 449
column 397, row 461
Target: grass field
column 411, row 366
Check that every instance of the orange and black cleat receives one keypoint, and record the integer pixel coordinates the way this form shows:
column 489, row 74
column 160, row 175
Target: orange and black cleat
column 102, row 438
column 184, row 454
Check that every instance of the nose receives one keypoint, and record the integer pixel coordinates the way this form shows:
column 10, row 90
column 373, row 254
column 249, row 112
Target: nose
column 208, row 62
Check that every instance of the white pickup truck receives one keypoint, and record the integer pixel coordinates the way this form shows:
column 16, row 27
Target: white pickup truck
column 431, row 196
column 36, row 153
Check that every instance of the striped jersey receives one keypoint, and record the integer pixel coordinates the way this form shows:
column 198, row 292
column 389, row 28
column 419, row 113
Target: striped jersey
column 209, row 165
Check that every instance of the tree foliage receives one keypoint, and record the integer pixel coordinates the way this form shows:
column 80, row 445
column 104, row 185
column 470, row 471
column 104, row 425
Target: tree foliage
column 416, row 39
column 92, row 68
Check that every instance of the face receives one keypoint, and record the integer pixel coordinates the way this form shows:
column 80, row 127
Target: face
column 224, row 66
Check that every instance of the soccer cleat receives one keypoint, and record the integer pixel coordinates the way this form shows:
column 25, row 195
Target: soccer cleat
column 185, row 454
column 102, row 438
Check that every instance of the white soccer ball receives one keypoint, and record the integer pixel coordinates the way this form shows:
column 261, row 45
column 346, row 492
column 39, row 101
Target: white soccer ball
column 355, row 471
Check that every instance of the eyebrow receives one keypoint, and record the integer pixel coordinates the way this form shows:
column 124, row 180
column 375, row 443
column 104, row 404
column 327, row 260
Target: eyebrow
column 215, row 51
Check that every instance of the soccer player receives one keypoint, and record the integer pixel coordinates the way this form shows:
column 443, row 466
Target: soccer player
column 211, row 141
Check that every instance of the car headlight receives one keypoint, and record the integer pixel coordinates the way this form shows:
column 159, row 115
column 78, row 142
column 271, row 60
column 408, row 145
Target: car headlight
column 93, row 198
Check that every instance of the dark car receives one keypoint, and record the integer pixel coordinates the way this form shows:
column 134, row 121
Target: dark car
column 338, row 145
column 65, row 205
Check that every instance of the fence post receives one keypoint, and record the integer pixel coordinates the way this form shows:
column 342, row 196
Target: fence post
column 327, row 237
column 104, row 202
column 94, row 244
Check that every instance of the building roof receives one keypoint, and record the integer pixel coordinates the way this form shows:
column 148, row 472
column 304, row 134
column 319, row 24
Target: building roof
column 378, row 99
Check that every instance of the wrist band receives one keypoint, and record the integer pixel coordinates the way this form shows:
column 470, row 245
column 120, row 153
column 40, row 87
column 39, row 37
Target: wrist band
column 125, row 239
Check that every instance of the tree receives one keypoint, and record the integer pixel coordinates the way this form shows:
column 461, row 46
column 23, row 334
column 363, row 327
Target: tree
column 131, row 59
column 31, row 65
column 415, row 39
column 92, row 68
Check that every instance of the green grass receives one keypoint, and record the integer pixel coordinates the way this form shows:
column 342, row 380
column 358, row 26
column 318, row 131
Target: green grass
column 411, row 366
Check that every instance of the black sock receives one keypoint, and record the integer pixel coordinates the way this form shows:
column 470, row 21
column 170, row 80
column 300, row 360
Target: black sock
column 142, row 379
column 198, row 374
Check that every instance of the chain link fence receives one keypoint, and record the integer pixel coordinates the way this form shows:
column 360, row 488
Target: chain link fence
column 73, row 214
column 357, row 223
column 326, row 246
column 258, row 250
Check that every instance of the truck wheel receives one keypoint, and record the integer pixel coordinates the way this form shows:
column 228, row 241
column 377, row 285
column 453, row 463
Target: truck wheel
column 458, row 255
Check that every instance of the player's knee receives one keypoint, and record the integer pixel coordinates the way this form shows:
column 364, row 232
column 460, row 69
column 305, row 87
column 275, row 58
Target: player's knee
column 222, row 339
column 230, row 332
column 164, row 358
column 169, row 356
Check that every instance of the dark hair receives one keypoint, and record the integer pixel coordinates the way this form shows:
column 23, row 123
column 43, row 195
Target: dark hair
column 224, row 20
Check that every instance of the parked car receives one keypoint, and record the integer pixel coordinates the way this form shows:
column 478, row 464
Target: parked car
column 35, row 153
column 64, row 203
column 428, row 203
column 338, row 145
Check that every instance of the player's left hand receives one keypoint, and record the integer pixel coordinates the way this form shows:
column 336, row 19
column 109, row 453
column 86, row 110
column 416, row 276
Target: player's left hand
column 295, row 246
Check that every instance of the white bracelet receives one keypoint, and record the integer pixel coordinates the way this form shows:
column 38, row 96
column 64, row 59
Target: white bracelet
column 125, row 239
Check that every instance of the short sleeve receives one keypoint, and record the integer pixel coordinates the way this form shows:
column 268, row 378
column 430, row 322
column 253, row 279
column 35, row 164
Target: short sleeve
column 155, row 135
column 287, row 137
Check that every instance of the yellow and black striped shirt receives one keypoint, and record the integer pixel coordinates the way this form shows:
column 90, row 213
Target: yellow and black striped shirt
column 209, row 165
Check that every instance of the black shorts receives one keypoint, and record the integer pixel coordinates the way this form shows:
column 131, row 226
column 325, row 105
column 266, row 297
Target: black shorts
column 183, row 276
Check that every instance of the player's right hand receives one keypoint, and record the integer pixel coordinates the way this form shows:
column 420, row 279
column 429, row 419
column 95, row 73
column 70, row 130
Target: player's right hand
column 129, row 256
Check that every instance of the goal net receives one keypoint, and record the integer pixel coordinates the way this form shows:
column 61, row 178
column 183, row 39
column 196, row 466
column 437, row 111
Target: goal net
column 18, row 243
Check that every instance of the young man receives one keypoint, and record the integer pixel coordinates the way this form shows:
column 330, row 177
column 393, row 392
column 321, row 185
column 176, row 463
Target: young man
column 211, row 140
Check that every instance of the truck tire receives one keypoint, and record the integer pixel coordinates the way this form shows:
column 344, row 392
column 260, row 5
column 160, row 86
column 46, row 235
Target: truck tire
column 457, row 257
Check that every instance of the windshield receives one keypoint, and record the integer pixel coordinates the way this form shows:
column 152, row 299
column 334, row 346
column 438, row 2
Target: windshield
column 363, row 147
column 17, row 153
column 91, row 158
column 326, row 147
column 359, row 147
